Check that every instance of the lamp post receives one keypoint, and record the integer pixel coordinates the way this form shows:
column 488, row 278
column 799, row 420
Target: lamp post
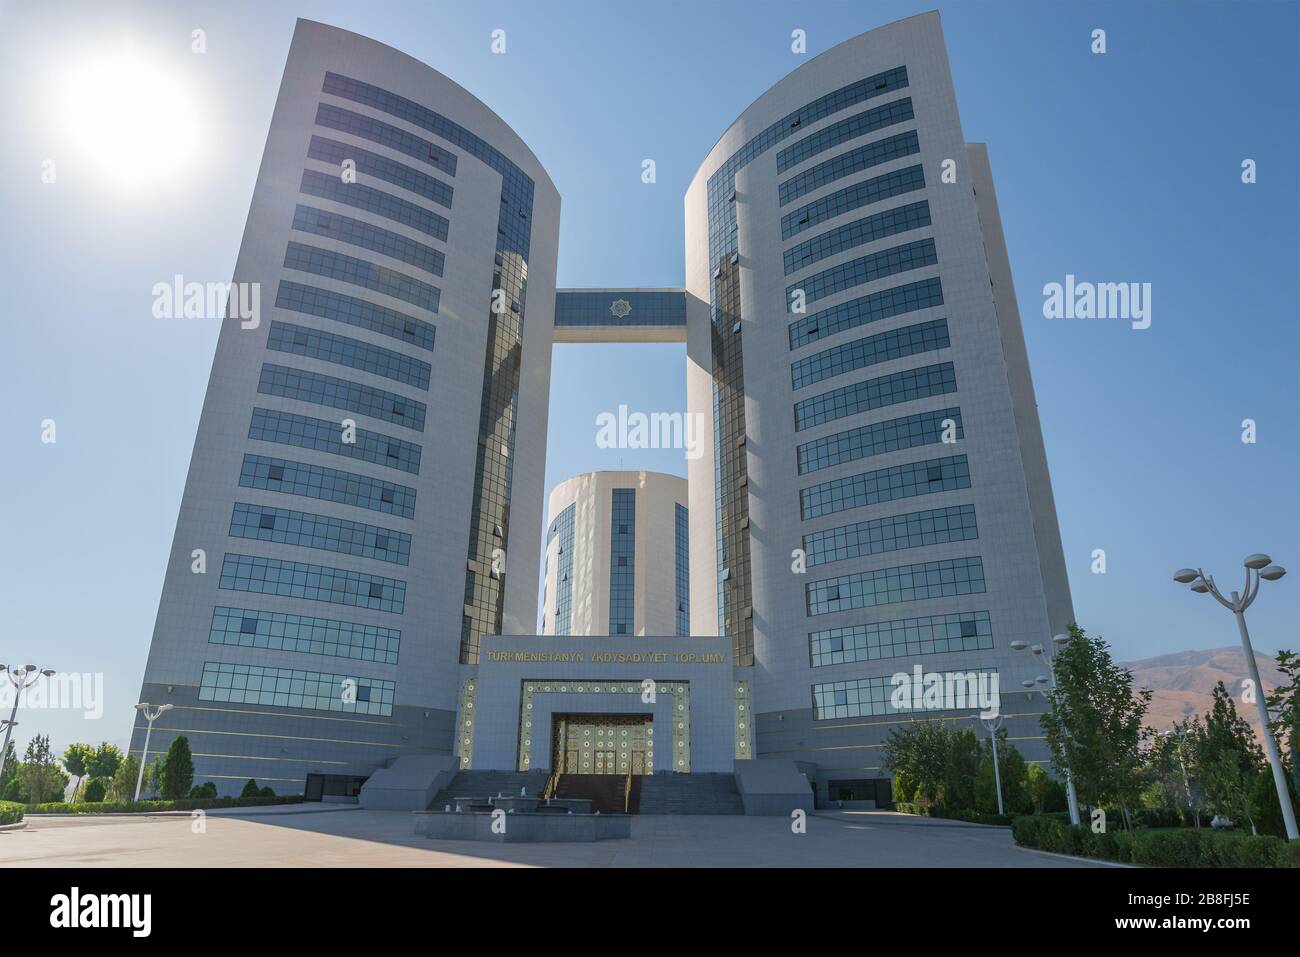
column 993, row 724
column 1049, row 679
column 143, row 708
column 21, row 678
column 1258, row 567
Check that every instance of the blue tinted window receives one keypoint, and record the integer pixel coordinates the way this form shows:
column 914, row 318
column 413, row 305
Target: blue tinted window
column 889, row 223
column 353, row 353
column 931, row 635
column 380, row 279
column 960, row 576
column 326, row 304
column 354, row 232
column 622, row 562
column 846, row 164
column 866, row 309
column 288, row 688
column 381, row 167
column 277, row 631
column 885, row 485
column 897, row 532
column 271, row 576
column 871, row 394
column 323, row 435
column 887, row 262
column 267, row 524
column 330, row 485
column 861, row 353
column 341, row 394
column 924, row 428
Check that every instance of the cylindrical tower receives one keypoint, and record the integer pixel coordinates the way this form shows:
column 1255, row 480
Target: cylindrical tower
column 617, row 556
column 879, row 497
column 364, row 435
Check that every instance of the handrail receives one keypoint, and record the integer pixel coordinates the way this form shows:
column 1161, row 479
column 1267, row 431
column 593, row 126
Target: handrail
column 552, row 784
column 627, row 791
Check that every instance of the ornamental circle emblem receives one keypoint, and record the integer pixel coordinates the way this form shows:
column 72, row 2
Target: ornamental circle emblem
column 620, row 308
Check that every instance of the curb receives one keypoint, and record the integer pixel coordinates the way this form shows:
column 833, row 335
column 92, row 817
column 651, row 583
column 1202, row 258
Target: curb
column 17, row 826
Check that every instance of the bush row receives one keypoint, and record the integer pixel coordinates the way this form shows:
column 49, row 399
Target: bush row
column 186, row 804
column 11, row 812
column 1157, row 847
column 956, row 814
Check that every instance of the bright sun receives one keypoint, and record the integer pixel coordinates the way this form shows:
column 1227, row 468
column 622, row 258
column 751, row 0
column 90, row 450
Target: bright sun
column 129, row 122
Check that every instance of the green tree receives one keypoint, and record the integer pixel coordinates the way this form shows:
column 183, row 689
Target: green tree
column 153, row 775
column 960, row 770
column 1094, row 726
column 177, row 771
column 919, row 752
column 9, row 772
column 122, row 785
column 105, row 762
column 1284, row 705
column 250, row 789
column 1014, row 773
column 42, row 779
column 1169, row 770
column 95, row 790
column 1228, row 759
column 76, row 758
column 1045, row 792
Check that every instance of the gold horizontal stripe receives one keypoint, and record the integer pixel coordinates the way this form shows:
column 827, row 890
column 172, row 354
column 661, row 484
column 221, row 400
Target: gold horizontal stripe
column 255, row 757
column 278, row 737
column 295, row 714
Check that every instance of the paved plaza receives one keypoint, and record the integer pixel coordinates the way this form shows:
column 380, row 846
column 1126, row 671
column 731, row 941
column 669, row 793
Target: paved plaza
column 362, row 838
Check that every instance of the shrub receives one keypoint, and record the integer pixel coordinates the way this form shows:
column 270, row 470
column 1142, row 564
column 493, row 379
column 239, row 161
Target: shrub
column 119, row 807
column 177, row 774
column 1289, row 855
column 1166, row 848
column 11, row 812
column 204, row 790
column 94, row 790
column 1241, row 850
column 267, row 792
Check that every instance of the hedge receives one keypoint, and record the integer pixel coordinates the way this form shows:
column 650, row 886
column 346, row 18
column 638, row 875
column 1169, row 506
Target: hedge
column 939, row 811
column 1157, row 847
column 141, row 807
column 11, row 812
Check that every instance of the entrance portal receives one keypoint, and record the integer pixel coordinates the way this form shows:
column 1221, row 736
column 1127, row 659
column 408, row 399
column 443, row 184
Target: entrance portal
column 602, row 744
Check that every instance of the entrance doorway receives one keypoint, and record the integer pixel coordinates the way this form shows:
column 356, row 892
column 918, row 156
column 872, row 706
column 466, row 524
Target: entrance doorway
column 619, row 744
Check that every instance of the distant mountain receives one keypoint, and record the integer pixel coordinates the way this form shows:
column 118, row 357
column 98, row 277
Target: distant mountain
column 1183, row 682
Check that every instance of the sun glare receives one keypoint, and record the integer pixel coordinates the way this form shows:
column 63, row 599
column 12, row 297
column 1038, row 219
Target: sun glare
column 130, row 123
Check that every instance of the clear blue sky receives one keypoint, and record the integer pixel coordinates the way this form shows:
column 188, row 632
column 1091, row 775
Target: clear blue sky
column 1122, row 167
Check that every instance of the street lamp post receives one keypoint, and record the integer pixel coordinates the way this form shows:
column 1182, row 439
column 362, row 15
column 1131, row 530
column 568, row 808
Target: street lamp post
column 993, row 724
column 143, row 708
column 1050, row 679
column 21, row 678
column 1258, row 567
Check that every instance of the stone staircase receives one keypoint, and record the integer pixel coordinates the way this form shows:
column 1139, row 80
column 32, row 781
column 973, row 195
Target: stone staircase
column 690, row 794
column 604, row 791
column 489, row 784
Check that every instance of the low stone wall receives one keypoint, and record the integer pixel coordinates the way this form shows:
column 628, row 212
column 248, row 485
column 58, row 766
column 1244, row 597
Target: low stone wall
column 522, row 828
